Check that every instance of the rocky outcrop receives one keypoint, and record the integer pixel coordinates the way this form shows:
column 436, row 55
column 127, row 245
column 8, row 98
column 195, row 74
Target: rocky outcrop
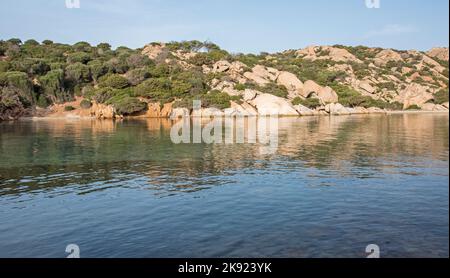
column 327, row 95
column 291, row 82
column 440, row 53
column 102, row 111
column 327, row 53
column 179, row 113
column 304, row 111
column 310, row 88
column 414, row 94
column 153, row 50
column 250, row 95
column 268, row 105
column 385, row 56
column 262, row 75
column 240, row 110
column 207, row 113
column 433, row 107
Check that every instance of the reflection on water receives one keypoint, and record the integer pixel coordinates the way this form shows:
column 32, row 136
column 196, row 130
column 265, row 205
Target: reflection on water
column 333, row 185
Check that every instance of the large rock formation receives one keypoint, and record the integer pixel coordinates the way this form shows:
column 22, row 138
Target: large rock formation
column 268, row 105
column 414, row 94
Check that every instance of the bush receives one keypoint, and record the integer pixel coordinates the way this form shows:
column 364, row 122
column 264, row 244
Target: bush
column 102, row 95
column 79, row 57
column 311, row 103
column 78, row 73
column 218, row 100
column 69, row 108
column 53, row 85
column 137, row 76
column 127, row 105
column 42, row 101
column 240, row 87
column 441, row 96
column 115, row 81
column 85, row 104
column 413, row 107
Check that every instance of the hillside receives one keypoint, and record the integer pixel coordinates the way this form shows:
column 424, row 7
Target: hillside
column 162, row 80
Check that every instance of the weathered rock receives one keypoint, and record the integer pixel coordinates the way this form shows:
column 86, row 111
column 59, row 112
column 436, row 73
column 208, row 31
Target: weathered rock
column 364, row 85
column 337, row 109
column 414, row 94
column 179, row 113
column 433, row 107
column 310, row 87
column 304, row 111
column 152, row 51
column 327, row 53
column 385, row 56
column 445, row 104
column 441, row 53
column 240, row 110
column 207, row 113
column 267, row 105
column 249, row 94
column 291, row 82
column 102, row 111
column 262, row 75
column 327, row 95
column 221, row 66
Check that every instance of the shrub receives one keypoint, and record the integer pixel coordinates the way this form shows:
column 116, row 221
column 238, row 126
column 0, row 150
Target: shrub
column 413, row 107
column 240, row 87
column 115, row 81
column 102, row 95
column 137, row 76
column 441, row 96
column 53, row 85
column 127, row 105
column 42, row 101
column 79, row 57
column 69, row 108
column 218, row 99
column 78, row 73
column 311, row 103
column 85, row 104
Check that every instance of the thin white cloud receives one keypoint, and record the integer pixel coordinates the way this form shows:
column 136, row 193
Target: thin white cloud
column 391, row 30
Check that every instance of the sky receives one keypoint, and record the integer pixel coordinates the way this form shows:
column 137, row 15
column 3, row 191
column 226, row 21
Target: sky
column 247, row 26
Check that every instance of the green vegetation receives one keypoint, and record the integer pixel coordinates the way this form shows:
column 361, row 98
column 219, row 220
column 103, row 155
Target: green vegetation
column 69, row 108
column 413, row 107
column 352, row 98
column 311, row 103
column 34, row 74
column 441, row 96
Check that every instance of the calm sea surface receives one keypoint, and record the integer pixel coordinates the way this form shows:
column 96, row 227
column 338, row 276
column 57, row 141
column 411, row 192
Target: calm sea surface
column 123, row 189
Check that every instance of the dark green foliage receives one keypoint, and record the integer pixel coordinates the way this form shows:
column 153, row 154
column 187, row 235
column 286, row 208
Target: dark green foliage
column 217, row 99
column 78, row 73
column 441, row 96
column 102, row 95
column 352, row 98
column 42, row 101
column 413, row 107
column 79, row 57
column 311, row 103
column 52, row 85
column 115, row 81
column 85, row 104
column 137, row 76
column 69, row 108
column 126, row 105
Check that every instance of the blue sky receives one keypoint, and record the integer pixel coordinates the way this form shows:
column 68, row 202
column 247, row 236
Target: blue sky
column 235, row 25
